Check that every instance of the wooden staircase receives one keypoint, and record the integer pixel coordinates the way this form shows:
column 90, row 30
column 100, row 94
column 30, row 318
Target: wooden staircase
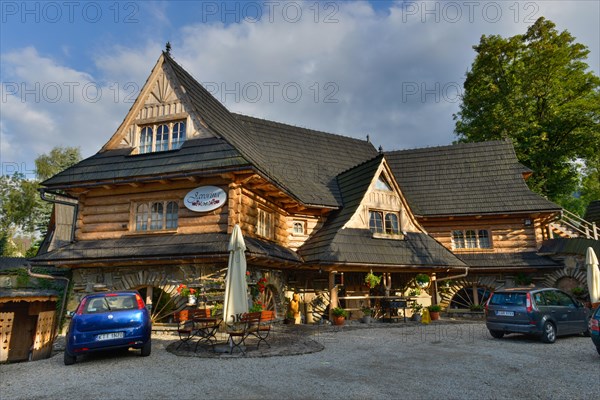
column 572, row 226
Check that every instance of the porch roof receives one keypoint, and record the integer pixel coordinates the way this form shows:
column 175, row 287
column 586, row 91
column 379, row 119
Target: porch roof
column 506, row 261
column 161, row 247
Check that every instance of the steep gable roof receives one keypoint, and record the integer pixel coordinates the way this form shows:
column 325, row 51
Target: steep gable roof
column 465, row 179
column 301, row 162
column 338, row 245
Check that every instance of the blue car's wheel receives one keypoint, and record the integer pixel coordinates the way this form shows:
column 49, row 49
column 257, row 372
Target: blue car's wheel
column 69, row 359
column 147, row 348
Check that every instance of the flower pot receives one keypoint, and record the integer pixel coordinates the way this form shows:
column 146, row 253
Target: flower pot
column 416, row 317
column 366, row 319
column 191, row 300
column 435, row 315
column 338, row 320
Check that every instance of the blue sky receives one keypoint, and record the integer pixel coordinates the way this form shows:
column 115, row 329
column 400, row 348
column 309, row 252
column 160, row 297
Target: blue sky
column 393, row 70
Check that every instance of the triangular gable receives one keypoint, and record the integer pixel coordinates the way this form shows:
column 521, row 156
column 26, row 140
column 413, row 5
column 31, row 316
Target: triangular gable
column 383, row 194
column 162, row 99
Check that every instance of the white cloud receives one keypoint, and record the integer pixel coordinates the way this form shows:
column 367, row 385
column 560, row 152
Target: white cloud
column 394, row 74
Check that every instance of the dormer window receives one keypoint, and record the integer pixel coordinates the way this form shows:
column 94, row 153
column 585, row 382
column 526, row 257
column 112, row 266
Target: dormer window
column 169, row 136
column 384, row 222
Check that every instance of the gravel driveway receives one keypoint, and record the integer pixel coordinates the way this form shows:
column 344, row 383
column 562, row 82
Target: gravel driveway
column 440, row 361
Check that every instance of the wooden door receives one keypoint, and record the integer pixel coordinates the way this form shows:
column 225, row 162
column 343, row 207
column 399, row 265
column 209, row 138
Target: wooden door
column 6, row 324
column 42, row 345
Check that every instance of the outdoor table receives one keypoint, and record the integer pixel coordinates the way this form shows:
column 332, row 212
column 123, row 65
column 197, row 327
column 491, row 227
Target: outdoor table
column 390, row 304
column 206, row 329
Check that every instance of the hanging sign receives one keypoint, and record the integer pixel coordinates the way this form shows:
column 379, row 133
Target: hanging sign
column 205, row 198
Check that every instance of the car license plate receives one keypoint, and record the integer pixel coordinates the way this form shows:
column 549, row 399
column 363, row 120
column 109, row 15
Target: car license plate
column 109, row 336
column 506, row 313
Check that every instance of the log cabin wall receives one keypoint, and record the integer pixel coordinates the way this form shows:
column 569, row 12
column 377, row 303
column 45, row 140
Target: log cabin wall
column 248, row 204
column 310, row 224
column 109, row 212
column 508, row 234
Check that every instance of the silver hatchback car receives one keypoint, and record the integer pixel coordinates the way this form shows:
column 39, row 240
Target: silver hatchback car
column 546, row 313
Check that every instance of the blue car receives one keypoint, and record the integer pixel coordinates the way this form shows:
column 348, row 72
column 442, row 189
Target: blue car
column 110, row 320
column 595, row 328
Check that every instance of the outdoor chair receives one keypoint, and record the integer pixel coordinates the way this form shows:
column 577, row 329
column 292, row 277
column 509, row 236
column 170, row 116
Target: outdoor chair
column 241, row 329
column 185, row 326
column 262, row 331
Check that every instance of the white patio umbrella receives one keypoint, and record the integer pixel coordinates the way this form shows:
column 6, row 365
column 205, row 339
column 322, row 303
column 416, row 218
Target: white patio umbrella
column 236, row 288
column 593, row 275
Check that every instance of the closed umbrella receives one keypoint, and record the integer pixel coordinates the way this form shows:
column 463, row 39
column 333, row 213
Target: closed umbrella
column 593, row 275
column 236, row 301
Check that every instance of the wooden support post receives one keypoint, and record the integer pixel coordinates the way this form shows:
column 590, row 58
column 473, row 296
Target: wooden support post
column 333, row 295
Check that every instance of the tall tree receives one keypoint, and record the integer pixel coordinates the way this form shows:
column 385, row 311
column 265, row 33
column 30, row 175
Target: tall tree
column 21, row 208
column 536, row 90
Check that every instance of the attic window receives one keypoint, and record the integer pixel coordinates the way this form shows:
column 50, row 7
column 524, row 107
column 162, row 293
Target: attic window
column 169, row 136
column 382, row 184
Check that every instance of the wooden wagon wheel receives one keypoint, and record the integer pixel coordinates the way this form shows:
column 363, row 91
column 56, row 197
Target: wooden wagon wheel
column 269, row 298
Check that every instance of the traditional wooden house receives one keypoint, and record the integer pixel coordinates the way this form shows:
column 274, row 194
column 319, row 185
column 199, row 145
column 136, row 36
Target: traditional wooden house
column 155, row 206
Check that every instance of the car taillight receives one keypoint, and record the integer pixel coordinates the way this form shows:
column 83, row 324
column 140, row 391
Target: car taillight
column 81, row 307
column 528, row 304
column 140, row 302
column 594, row 325
column 487, row 303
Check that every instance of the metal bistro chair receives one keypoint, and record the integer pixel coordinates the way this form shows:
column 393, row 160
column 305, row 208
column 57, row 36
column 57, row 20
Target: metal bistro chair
column 239, row 331
column 262, row 331
column 185, row 326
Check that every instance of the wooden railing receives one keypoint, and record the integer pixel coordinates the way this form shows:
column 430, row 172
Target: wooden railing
column 577, row 225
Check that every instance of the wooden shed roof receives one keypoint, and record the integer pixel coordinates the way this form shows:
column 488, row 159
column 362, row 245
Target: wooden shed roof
column 465, row 179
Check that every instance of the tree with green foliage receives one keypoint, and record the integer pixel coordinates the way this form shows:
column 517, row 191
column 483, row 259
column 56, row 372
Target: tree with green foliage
column 21, row 208
column 536, row 90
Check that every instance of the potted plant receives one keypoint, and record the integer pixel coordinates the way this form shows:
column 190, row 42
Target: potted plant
column 422, row 280
column 416, row 312
column 434, row 311
column 184, row 290
column 339, row 315
column 372, row 280
column 367, row 315
column 414, row 292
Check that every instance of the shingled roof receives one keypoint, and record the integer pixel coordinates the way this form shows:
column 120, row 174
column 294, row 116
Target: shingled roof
column 302, row 162
column 465, row 179
column 334, row 245
column 162, row 247
column 508, row 261
column 211, row 154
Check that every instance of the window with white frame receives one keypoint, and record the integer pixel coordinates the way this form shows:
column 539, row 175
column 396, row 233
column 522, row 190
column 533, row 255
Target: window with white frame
column 156, row 215
column 264, row 224
column 169, row 136
column 384, row 222
column 471, row 239
column 299, row 228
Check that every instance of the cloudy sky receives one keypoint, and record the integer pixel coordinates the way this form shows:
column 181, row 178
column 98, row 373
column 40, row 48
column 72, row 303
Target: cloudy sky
column 70, row 71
